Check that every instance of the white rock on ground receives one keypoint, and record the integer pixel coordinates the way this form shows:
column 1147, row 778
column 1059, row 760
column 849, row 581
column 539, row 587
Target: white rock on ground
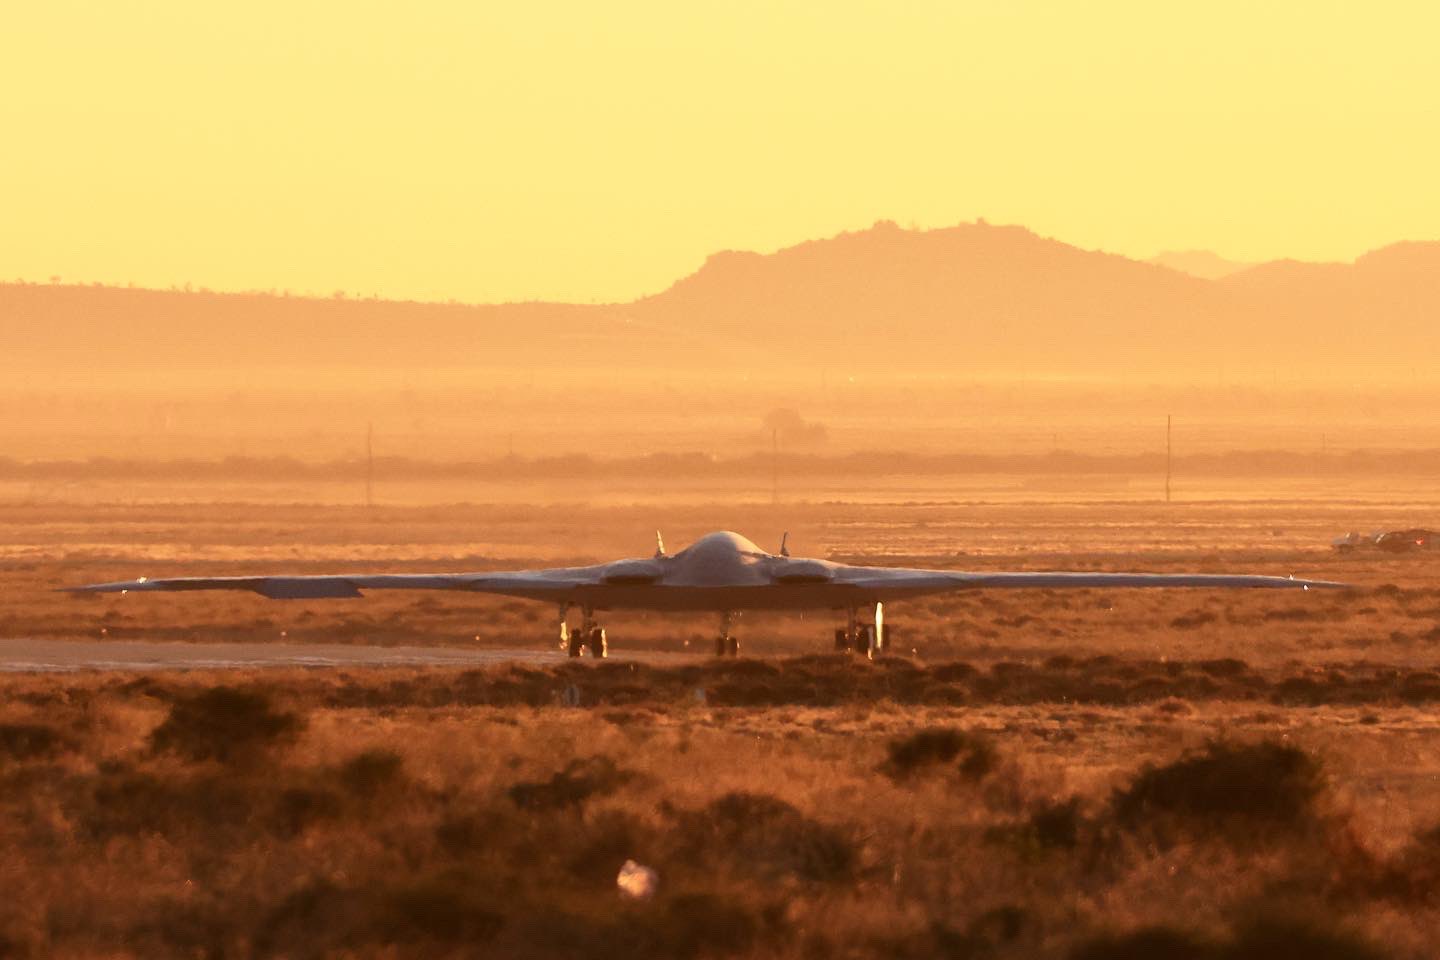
column 637, row 881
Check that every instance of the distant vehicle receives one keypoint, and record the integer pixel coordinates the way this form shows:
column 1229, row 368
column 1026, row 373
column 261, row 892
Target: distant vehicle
column 721, row 572
column 1390, row 541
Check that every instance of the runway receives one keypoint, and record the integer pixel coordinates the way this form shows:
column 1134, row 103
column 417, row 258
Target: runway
column 21, row 655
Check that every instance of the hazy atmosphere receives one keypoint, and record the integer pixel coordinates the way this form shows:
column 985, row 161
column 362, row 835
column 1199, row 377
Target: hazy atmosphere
column 768, row 480
column 559, row 151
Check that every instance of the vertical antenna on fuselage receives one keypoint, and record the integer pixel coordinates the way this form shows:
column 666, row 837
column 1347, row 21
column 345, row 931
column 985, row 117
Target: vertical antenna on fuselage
column 659, row 545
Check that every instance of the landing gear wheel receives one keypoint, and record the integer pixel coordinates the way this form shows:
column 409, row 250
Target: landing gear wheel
column 842, row 640
column 732, row 646
column 721, row 645
column 865, row 641
column 599, row 647
column 576, row 644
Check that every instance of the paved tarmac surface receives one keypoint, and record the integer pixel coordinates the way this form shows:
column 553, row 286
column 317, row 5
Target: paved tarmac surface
column 20, row 655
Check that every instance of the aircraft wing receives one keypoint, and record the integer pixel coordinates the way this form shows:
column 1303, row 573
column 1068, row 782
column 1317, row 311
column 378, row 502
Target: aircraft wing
column 532, row 584
column 882, row 581
column 644, row 585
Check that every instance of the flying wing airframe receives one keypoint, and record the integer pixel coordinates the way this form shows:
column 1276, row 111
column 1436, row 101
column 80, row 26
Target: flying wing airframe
column 721, row 573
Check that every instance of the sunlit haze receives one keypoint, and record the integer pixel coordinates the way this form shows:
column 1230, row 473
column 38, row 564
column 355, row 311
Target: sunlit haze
column 576, row 151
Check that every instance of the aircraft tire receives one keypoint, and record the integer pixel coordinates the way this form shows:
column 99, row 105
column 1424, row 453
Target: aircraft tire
column 842, row 640
column 733, row 647
column 599, row 646
column 576, row 644
column 863, row 641
column 720, row 646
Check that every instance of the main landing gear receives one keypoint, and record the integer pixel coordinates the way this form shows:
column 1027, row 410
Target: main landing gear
column 725, row 644
column 590, row 634
column 867, row 639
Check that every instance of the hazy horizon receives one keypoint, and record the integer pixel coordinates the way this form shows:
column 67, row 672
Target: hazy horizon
column 1203, row 264
column 498, row 153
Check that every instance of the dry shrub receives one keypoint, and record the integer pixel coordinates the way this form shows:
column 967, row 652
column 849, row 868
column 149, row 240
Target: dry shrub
column 14, row 945
column 30, row 741
column 1050, row 826
column 1304, row 690
column 429, row 913
column 125, row 801
column 985, row 935
column 698, row 923
column 685, row 925
column 1422, row 686
column 170, row 926
column 224, row 724
column 926, row 749
column 372, row 772
column 581, row 780
column 836, row 680
column 1150, row 943
column 1297, row 939
column 540, row 850
column 1264, row 940
column 302, row 922
column 1253, row 788
column 763, row 836
column 1224, row 667
column 1057, row 825
column 952, row 672
column 450, row 907
column 460, row 834
column 298, row 808
column 608, row 840
column 743, row 668
column 1104, row 692
column 1414, row 874
column 1299, row 614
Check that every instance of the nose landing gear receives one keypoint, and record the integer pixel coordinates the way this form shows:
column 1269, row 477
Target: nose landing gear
column 725, row 644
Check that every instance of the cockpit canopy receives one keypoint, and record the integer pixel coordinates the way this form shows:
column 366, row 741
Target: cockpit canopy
column 723, row 543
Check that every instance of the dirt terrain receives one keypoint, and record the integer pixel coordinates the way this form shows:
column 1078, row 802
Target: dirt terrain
column 1079, row 774
column 1389, row 618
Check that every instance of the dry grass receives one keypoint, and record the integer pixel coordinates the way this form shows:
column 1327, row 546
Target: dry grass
column 1047, row 775
column 394, row 825
column 1392, row 619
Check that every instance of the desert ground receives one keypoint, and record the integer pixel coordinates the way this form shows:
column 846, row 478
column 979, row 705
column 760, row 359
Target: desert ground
column 1079, row 774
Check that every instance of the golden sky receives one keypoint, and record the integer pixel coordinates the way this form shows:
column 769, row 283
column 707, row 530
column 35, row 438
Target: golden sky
column 597, row 151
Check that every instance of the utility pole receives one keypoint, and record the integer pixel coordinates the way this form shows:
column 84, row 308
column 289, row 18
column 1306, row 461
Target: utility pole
column 774, row 466
column 370, row 464
column 1167, row 458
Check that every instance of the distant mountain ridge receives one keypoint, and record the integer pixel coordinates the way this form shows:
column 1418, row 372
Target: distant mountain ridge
column 973, row 299
column 1200, row 263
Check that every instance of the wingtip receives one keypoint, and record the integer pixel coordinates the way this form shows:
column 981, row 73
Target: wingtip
column 124, row 586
